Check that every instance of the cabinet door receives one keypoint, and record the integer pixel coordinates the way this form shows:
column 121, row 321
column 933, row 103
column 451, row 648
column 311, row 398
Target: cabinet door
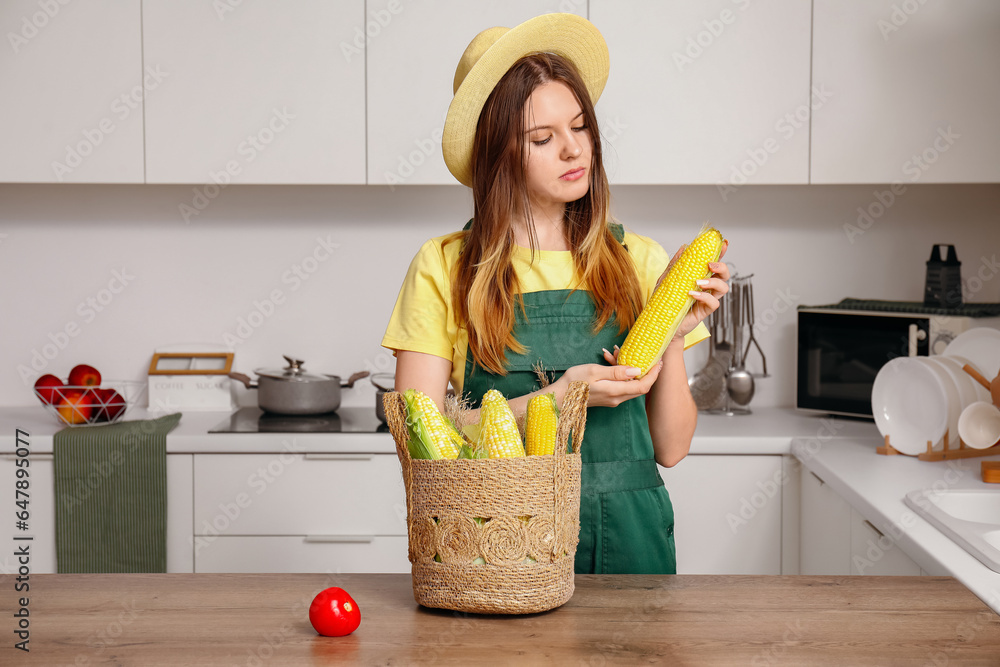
column 915, row 92
column 254, row 93
column 825, row 528
column 72, row 81
column 410, row 77
column 727, row 514
column 712, row 91
column 304, row 554
column 875, row 553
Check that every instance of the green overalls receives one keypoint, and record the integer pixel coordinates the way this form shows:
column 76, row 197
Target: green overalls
column 626, row 517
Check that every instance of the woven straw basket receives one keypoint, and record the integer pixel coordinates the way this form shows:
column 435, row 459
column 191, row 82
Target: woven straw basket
column 500, row 510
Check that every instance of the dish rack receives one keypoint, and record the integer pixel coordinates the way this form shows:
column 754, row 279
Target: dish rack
column 946, row 453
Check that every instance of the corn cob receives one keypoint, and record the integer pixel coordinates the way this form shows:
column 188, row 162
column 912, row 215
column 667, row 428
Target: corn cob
column 540, row 427
column 670, row 302
column 498, row 430
column 431, row 435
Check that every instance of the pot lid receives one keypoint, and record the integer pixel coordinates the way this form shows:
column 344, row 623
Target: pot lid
column 293, row 372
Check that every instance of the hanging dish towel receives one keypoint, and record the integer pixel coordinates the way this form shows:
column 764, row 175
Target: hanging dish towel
column 111, row 496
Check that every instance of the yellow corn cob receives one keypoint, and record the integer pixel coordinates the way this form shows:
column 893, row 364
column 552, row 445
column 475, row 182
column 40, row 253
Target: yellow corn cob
column 670, row 302
column 498, row 430
column 540, row 426
column 431, row 435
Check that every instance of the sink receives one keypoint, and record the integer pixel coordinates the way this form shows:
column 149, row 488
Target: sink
column 969, row 517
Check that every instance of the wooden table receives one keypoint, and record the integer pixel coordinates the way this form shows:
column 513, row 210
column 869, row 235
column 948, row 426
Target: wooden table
column 262, row 619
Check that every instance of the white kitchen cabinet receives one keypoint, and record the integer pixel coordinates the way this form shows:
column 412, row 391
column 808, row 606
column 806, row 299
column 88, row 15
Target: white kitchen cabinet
column 727, row 513
column 292, row 553
column 253, row 93
column 712, row 92
column 838, row 540
column 915, row 95
column 72, row 78
column 410, row 77
column 42, row 522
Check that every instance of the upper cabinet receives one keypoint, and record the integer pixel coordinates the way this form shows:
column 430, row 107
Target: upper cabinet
column 72, row 82
column 255, row 92
column 914, row 91
column 713, row 91
column 413, row 51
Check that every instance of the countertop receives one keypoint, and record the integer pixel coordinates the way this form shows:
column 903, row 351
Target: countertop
column 875, row 485
column 765, row 431
column 255, row 619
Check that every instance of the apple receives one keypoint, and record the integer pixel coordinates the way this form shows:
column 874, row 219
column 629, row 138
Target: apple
column 76, row 406
column 44, row 388
column 109, row 403
column 83, row 375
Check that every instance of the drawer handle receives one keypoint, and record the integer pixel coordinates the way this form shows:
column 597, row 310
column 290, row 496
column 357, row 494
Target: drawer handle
column 34, row 457
column 869, row 524
column 339, row 538
column 820, row 479
column 338, row 457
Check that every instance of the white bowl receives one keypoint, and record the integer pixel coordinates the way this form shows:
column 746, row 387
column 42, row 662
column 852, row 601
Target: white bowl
column 979, row 425
column 954, row 401
column 909, row 404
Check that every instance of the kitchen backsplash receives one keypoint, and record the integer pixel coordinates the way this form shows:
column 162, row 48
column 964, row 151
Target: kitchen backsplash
column 104, row 274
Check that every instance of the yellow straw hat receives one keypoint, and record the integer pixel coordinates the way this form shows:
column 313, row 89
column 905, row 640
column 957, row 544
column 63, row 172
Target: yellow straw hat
column 492, row 52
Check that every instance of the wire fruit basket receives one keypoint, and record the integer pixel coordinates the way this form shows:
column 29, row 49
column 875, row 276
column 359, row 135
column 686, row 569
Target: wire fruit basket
column 76, row 405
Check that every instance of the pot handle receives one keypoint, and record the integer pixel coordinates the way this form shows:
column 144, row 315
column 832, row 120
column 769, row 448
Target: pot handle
column 245, row 379
column 354, row 378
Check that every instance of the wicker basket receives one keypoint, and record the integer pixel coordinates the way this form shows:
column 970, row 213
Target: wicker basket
column 467, row 509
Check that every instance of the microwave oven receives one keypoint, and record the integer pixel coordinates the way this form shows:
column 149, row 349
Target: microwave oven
column 841, row 351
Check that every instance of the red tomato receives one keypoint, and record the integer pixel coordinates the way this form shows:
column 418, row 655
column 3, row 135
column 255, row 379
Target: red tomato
column 334, row 613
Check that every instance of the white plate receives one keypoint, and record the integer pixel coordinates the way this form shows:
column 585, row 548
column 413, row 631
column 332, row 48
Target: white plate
column 909, row 404
column 954, row 399
column 981, row 346
column 982, row 393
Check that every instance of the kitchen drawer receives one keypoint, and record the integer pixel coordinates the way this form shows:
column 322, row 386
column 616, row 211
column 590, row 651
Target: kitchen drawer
column 382, row 553
column 298, row 494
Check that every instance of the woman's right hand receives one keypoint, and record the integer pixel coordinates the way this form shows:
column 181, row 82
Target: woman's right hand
column 610, row 386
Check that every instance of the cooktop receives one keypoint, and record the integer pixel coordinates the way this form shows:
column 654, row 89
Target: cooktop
column 344, row 420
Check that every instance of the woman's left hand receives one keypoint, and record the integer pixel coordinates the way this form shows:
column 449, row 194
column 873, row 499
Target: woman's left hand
column 706, row 300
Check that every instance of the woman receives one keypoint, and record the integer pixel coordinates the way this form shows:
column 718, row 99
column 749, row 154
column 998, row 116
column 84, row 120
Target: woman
column 541, row 277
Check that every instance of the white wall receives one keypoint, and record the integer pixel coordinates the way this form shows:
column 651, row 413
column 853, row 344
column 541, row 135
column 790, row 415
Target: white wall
column 60, row 244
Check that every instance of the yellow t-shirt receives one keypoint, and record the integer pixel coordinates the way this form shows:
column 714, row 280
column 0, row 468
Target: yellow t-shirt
column 423, row 319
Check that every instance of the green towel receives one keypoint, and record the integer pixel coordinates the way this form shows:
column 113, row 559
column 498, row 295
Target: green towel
column 111, row 496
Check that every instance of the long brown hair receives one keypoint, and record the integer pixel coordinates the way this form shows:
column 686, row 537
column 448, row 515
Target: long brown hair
column 485, row 285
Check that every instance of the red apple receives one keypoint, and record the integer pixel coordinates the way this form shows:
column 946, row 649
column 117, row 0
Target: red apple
column 109, row 404
column 44, row 388
column 83, row 375
column 76, row 406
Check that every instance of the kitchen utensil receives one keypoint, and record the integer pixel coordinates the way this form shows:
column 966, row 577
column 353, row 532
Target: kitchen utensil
column 293, row 391
column 740, row 383
column 384, row 382
column 981, row 346
column 909, row 405
column 967, row 387
column 717, row 391
column 979, row 425
column 750, row 324
column 943, row 286
column 190, row 377
column 982, row 392
column 709, row 383
column 953, row 402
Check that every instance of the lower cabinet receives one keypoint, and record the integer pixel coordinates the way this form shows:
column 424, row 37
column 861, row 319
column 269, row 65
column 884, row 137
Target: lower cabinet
column 727, row 513
column 337, row 555
column 836, row 539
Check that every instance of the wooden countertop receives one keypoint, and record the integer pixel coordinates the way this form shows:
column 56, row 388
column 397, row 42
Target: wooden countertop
column 262, row 619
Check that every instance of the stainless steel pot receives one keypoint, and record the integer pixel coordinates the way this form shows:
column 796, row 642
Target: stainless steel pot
column 293, row 391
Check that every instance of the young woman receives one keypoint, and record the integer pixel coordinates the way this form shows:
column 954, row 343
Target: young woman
column 542, row 276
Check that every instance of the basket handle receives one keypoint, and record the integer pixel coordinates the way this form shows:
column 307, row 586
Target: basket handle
column 395, row 415
column 573, row 416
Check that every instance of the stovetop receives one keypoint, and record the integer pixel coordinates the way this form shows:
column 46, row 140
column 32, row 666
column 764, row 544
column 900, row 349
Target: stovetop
column 344, row 420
